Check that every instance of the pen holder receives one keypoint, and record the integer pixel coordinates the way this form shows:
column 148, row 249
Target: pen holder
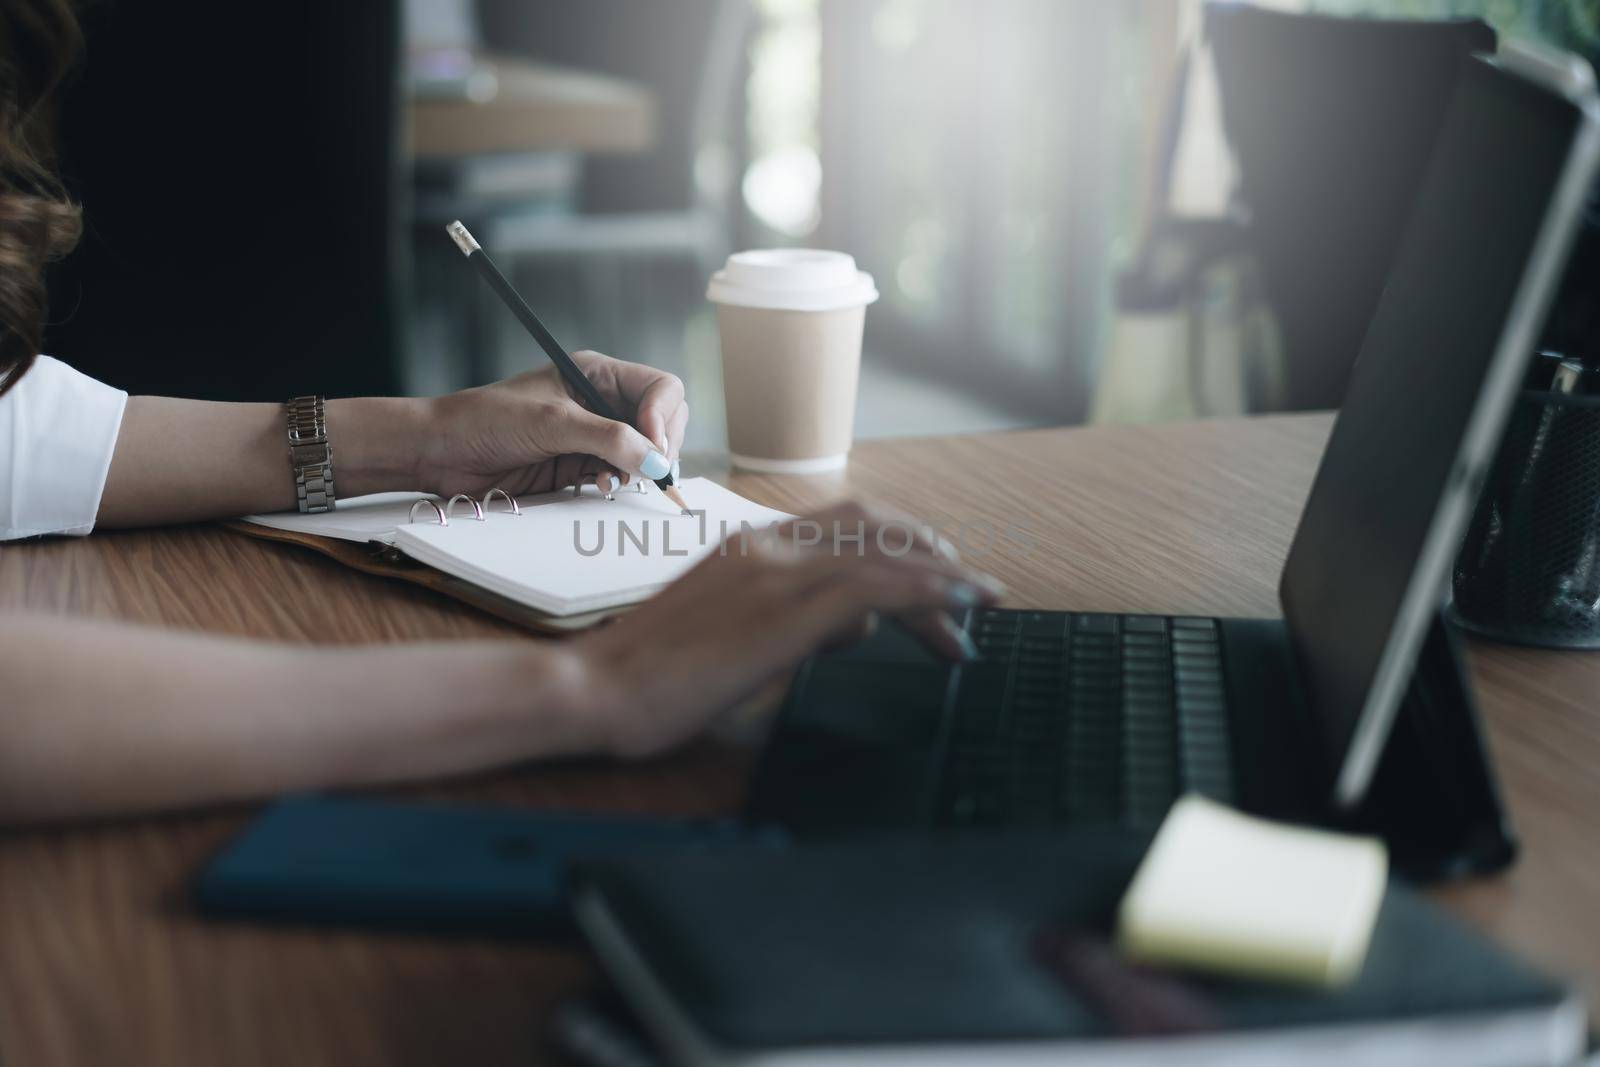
column 1529, row 567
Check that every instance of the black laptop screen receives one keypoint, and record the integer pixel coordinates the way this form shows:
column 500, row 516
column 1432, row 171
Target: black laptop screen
column 1428, row 353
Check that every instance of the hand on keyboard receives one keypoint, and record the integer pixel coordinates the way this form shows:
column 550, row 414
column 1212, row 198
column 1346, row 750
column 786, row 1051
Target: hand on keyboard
column 750, row 613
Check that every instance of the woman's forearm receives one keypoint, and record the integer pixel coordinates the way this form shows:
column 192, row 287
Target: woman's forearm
column 187, row 460
column 102, row 718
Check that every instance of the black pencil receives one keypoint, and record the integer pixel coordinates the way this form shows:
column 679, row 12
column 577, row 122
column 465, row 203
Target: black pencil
column 564, row 363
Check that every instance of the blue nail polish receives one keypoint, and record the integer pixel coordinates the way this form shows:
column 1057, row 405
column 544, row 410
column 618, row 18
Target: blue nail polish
column 969, row 648
column 611, row 483
column 655, row 465
column 964, row 595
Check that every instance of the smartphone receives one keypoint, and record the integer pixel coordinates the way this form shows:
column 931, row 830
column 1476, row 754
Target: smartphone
column 434, row 868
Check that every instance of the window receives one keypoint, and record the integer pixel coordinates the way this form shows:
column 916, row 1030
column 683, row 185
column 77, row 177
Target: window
column 984, row 162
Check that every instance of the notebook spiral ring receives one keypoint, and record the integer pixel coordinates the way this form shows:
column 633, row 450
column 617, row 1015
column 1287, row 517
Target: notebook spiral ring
column 511, row 501
column 480, row 507
column 444, row 520
column 477, row 508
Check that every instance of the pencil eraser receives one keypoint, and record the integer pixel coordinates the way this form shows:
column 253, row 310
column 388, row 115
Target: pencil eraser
column 1226, row 892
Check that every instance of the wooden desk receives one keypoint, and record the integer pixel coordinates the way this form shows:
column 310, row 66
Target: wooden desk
column 101, row 961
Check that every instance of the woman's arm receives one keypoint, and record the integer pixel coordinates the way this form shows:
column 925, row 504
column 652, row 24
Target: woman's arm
column 184, row 460
column 104, row 719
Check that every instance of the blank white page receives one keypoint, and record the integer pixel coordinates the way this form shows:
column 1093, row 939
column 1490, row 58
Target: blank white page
column 567, row 554
column 361, row 518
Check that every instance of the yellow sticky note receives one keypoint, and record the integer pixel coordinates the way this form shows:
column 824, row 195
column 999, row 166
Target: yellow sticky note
column 1227, row 892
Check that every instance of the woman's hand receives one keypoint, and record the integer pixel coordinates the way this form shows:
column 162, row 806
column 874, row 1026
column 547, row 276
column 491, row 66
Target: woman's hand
column 529, row 434
column 743, row 617
column 526, row 434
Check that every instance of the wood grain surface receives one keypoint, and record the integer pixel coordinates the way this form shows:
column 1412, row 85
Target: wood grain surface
column 102, row 960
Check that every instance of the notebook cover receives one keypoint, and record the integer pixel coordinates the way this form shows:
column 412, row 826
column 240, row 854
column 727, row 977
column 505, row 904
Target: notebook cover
column 529, row 575
column 1000, row 939
column 382, row 560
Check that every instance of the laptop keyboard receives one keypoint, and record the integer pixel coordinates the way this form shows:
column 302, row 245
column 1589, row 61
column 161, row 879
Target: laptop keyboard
column 1085, row 718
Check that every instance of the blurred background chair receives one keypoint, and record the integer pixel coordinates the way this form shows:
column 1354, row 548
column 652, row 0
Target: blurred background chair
column 500, row 138
column 668, row 209
column 1331, row 122
column 1190, row 273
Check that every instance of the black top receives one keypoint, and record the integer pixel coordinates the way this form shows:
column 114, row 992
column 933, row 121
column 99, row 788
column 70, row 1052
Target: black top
column 237, row 168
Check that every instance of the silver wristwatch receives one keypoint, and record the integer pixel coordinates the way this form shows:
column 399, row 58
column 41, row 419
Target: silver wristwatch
column 310, row 455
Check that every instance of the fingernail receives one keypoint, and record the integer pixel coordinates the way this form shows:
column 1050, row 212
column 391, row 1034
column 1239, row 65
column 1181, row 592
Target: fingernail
column 655, row 465
column 964, row 594
column 676, row 468
column 969, row 648
column 612, row 483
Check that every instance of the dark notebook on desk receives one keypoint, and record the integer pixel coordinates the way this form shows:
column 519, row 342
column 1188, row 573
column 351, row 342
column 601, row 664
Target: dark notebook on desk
column 995, row 950
column 1350, row 709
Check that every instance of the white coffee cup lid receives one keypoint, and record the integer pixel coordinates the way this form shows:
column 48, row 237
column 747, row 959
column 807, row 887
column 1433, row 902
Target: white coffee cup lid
column 792, row 279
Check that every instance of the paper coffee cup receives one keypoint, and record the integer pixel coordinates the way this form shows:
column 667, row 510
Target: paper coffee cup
column 790, row 320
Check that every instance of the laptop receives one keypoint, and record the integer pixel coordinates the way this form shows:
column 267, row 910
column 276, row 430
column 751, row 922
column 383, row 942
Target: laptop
column 1351, row 710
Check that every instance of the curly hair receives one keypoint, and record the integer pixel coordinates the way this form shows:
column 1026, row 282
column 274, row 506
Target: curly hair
column 39, row 42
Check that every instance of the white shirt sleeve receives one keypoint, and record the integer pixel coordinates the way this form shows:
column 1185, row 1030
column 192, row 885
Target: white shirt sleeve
column 58, row 429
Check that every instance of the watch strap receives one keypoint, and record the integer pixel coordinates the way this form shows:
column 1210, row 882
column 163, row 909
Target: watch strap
column 309, row 454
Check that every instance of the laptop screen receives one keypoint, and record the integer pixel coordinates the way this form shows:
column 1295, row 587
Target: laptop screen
column 1456, row 324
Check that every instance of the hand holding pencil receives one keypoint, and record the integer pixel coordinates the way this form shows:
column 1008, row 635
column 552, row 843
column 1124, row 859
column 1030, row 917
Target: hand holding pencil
column 529, row 434
column 655, row 464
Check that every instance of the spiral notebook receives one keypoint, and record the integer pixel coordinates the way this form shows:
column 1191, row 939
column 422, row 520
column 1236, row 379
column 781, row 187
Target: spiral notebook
column 563, row 554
